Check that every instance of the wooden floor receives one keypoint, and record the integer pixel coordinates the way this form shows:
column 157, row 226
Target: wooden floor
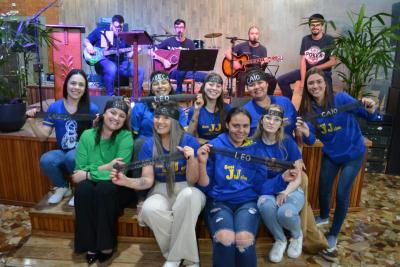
column 51, row 251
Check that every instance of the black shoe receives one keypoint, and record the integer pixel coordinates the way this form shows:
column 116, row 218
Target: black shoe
column 103, row 257
column 330, row 255
column 91, row 258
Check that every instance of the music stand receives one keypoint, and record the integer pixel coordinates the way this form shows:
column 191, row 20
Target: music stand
column 135, row 38
column 197, row 60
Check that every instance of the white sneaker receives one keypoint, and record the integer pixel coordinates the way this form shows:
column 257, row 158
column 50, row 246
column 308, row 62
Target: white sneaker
column 58, row 194
column 276, row 253
column 71, row 202
column 172, row 264
column 295, row 247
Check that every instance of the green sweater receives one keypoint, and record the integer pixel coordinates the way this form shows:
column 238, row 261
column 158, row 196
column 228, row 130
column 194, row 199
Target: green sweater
column 90, row 156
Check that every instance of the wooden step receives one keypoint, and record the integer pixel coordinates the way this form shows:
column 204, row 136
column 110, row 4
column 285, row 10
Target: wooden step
column 50, row 251
column 58, row 220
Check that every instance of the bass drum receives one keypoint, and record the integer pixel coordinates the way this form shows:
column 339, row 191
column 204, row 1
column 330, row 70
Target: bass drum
column 198, row 44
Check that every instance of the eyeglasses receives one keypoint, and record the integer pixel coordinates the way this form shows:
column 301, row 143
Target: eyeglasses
column 273, row 119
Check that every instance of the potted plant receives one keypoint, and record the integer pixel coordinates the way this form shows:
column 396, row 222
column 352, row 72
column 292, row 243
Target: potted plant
column 14, row 41
column 365, row 49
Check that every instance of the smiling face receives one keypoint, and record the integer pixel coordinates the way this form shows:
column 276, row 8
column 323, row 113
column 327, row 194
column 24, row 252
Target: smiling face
column 258, row 90
column 161, row 88
column 213, row 90
column 162, row 124
column 316, row 27
column 316, row 86
column 76, row 87
column 114, row 119
column 238, row 128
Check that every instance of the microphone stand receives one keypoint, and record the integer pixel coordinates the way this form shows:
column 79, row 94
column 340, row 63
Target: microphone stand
column 117, row 54
column 38, row 66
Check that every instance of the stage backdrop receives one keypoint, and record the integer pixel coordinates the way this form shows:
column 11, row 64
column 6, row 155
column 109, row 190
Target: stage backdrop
column 278, row 19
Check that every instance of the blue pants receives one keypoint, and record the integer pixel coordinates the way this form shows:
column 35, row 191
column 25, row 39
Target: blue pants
column 179, row 76
column 286, row 79
column 286, row 216
column 348, row 173
column 108, row 69
column 54, row 162
column 236, row 218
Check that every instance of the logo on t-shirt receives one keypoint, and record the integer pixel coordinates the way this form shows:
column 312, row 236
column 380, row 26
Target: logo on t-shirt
column 314, row 55
column 69, row 139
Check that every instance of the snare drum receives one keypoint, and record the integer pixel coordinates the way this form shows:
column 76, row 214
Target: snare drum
column 198, row 44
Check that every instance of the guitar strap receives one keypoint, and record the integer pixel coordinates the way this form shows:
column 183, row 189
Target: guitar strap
column 107, row 40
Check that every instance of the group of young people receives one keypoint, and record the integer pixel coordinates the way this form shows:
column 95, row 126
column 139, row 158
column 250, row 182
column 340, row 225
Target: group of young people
column 212, row 165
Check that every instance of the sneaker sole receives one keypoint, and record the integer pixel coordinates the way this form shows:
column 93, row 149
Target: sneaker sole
column 322, row 223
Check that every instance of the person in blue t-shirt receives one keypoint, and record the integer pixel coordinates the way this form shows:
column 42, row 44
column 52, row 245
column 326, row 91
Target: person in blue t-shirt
column 343, row 148
column 274, row 209
column 173, row 204
column 257, row 85
column 143, row 113
column 180, row 41
column 206, row 118
column 232, row 186
column 54, row 162
column 107, row 66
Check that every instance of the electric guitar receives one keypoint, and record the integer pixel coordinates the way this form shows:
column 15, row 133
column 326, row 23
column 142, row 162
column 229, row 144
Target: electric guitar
column 243, row 61
column 100, row 53
column 166, row 60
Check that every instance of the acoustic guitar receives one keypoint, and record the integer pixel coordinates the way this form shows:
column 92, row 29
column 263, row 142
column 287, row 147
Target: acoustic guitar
column 100, row 53
column 243, row 61
column 166, row 60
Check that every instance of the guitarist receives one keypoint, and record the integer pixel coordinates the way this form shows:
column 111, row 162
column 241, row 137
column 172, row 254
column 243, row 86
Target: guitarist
column 107, row 67
column 179, row 42
column 253, row 49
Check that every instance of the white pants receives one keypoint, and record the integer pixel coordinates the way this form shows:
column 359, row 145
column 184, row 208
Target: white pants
column 173, row 220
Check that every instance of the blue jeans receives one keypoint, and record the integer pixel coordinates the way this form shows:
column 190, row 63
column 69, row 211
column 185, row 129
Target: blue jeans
column 54, row 162
column 348, row 173
column 236, row 218
column 286, row 216
column 108, row 69
column 179, row 76
column 286, row 79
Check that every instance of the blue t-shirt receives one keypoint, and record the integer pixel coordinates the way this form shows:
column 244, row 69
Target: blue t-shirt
column 286, row 150
column 237, row 181
column 66, row 130
column 142, row 117
column 209, row 124
column 160, row 169
column 172, row 44
column 289, row 113
column 340, row 134
column 95, row 39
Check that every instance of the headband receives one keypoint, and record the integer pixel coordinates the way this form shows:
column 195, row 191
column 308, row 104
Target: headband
column 255, row 75
column 169, row 112
column 274, row 112
column 159, row 77
column 213, row 79
column 119, row 104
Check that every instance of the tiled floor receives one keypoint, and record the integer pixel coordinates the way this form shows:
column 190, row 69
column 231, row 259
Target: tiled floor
column 370, row 237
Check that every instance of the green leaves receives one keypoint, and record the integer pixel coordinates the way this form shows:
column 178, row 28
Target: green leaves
column 365, row 48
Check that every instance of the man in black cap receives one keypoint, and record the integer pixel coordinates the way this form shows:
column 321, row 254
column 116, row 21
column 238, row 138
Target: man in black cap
column 314, row 53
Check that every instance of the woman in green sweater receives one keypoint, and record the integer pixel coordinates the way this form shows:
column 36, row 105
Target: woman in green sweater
column 98, row 201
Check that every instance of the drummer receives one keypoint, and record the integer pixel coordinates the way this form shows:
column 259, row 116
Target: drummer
column 179, row 42
column 253, row 49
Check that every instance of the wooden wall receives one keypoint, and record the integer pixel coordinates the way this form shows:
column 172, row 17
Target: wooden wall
column 278, row 19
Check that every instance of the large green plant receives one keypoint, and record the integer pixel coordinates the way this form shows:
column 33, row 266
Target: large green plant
column 14, row 42
column 365, row 49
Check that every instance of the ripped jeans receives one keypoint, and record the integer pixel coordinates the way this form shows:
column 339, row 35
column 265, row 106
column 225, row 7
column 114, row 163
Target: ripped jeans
column 286, row 216
column 233, row 228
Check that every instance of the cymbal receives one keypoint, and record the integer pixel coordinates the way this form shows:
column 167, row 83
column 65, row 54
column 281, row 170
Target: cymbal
column 213, row 35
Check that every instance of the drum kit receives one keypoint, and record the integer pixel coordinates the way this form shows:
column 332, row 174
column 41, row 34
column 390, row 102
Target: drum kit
column 199, row 44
